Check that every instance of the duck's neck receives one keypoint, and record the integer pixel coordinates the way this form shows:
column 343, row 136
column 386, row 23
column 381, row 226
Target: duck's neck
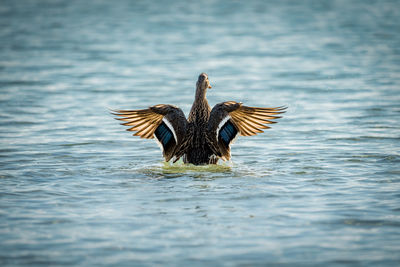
column 200, row 95
column 200, row 109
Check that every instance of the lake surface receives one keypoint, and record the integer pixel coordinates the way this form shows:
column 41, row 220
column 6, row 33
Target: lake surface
column 321, row 187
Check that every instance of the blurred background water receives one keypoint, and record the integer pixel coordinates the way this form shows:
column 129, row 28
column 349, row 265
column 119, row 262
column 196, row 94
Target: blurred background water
column 322, row 187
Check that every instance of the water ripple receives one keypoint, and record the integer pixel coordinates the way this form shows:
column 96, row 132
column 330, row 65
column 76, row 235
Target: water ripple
column 318, row 188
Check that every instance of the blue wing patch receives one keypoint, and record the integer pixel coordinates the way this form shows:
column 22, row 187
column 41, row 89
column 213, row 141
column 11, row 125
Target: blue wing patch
column 164, row 136
column 228, row 132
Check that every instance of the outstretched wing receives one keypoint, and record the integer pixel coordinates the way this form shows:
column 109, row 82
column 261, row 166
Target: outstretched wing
column 167, row 123
column 230, row 119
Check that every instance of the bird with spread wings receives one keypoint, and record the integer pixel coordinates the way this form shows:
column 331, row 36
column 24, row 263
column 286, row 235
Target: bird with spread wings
column 207, row 134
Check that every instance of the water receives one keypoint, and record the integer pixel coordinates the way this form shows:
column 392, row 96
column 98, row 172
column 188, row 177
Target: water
column 322, row 187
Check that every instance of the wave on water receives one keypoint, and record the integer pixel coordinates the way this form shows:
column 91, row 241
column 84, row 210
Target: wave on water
column 182, row 168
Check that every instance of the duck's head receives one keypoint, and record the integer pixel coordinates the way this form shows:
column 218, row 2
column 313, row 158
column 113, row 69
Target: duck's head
column 203, row 82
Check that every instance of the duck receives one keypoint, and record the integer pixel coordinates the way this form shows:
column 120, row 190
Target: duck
column 207, row 134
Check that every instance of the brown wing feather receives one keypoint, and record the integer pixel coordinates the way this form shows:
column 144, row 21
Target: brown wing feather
column 247, row 121
column 144, row 121
column 250, row 120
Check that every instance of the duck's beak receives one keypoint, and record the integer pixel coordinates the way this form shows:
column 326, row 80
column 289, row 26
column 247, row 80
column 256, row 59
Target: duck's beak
column 209, row 86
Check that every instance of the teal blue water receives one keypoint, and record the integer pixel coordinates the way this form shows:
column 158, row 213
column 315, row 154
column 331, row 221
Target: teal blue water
column 321, row 187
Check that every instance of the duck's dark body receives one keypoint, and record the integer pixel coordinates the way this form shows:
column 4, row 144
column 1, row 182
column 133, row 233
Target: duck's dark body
column 206, row 135
column 199, row 151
